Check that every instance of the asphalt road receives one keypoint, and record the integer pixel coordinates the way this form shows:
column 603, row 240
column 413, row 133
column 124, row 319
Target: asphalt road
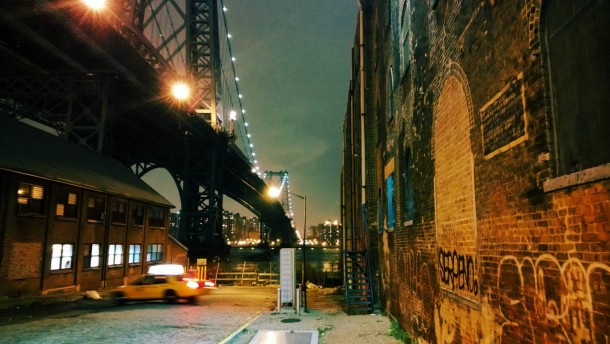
column 215, row 317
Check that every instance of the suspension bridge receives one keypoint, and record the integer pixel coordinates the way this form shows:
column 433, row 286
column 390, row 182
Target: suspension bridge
column 102, row 75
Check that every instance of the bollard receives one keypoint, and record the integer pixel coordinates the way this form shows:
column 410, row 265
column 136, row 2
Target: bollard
column 279, row 299
column 298, row 302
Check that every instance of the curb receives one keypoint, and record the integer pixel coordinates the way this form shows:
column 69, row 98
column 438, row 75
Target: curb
column 240, row 330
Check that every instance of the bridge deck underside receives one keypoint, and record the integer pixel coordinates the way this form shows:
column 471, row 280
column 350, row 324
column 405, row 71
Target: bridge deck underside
column 142, row 127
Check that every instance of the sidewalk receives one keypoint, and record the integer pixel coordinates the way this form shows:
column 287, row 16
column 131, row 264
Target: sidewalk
column 42, row 300
column 325, row 322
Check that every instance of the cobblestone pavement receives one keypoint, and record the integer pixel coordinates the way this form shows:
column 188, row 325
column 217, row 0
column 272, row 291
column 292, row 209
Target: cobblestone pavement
column 231, row 315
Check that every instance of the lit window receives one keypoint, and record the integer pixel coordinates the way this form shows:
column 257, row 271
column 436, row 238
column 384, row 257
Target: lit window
column 91, row 256
column 67, row 204
column 154, row 253
column 61, row 256
column 30, row 199
column 134, row 254
column 115, row 254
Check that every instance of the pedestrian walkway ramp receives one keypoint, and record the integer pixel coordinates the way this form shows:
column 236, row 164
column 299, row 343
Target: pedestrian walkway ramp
column 285, row 337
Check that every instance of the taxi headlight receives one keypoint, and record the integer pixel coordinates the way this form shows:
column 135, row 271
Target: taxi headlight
column 192, row 284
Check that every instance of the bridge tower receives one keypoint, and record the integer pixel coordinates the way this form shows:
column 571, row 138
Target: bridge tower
column 282, row 184
column 279, row 180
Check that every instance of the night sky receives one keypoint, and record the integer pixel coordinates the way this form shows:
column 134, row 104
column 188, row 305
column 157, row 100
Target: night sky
column 293, row 60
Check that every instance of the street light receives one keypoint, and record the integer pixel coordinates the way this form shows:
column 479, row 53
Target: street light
column 303, row 280
column 275, row 192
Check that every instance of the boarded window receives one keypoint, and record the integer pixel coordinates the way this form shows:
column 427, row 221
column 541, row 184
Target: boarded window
column 580, row 81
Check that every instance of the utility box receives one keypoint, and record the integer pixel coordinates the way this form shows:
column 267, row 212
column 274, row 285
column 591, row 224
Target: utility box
column 287, row 275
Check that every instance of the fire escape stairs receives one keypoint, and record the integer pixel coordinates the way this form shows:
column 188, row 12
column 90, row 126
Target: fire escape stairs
column 358, row 291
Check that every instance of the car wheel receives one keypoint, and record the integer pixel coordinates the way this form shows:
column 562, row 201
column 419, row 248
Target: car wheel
column 192, row 300
column 170, row 296
column 119, row 298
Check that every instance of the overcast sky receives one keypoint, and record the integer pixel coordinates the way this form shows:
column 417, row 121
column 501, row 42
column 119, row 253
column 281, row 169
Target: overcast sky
column 293, row 59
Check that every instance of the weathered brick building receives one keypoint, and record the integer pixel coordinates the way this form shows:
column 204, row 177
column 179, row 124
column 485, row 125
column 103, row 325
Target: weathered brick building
column 485, row 182
column 72, row 219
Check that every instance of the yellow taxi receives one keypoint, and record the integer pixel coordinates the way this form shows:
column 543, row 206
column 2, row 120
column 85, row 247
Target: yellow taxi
column 163, row 282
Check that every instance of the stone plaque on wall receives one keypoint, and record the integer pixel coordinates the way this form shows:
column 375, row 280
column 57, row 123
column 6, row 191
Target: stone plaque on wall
column 24, row 260
column 503, row 120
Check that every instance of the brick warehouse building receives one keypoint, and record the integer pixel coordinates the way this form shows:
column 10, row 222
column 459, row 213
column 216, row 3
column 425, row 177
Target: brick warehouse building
column 72, row 219
column 486, row 176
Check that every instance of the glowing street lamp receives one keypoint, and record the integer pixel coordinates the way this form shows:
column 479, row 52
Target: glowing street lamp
column 95, row 4
column 181, row 91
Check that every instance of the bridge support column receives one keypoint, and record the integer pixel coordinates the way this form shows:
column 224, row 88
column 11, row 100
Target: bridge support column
column 201, row 194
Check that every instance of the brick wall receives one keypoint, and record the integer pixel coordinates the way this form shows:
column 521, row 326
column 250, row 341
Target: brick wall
column 501, row 248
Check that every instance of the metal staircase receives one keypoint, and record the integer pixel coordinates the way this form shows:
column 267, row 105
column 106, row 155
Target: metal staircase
column 358, row 291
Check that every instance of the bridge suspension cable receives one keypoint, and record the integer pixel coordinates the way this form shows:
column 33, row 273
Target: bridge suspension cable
column 232, row 102
column 279, row 186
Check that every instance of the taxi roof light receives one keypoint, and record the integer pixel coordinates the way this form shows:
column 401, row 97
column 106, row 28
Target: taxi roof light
column 166, row 269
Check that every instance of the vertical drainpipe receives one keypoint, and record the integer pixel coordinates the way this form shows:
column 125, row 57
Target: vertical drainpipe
column 362, row 121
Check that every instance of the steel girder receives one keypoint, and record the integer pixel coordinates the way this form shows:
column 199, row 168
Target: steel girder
column 204, row 56
column 77, row 107
column 98, row 82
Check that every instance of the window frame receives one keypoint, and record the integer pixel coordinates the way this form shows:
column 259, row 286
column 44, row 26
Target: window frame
column 131, row 254
column 95, row 212
column 154, row 250
column 390, row 210
column 26, row 193
column 62, row 257
column 88, row 256
column 405, row 49
column 154, row 220
column 564, row 174
column 118, row 212
column 408, row 189
column 69, row 209
column 137, row 219
column 117, row 255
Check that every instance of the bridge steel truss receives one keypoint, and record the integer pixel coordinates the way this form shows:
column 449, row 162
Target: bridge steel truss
column 100, row 87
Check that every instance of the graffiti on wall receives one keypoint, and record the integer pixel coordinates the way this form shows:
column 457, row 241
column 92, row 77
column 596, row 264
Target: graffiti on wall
column 417, row 288
column 562, row 295
column 458, row 271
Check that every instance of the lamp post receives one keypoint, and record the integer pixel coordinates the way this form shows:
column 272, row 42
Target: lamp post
column 303, row 280
column 275, row 192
